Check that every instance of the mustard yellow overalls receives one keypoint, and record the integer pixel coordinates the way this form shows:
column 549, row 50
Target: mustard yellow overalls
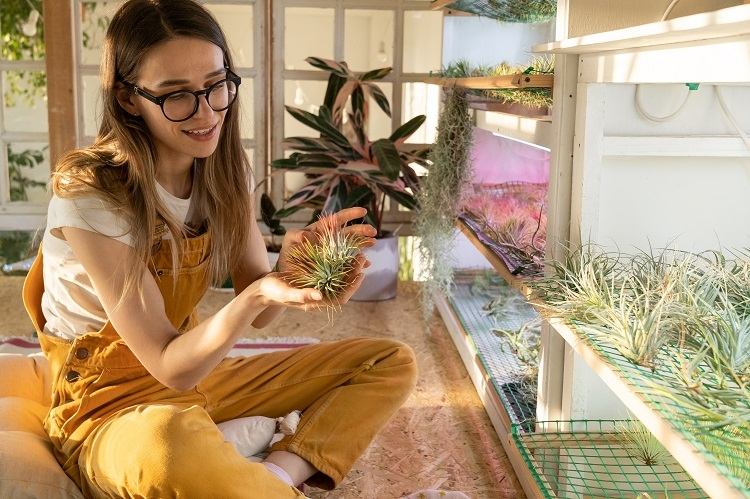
column 118, row 432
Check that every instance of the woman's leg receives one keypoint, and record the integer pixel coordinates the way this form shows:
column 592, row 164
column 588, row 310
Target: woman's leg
column 166, row 451
column 347, row 390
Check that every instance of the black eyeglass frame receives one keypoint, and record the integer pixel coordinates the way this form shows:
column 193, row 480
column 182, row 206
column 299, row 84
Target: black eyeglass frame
column 160, row 100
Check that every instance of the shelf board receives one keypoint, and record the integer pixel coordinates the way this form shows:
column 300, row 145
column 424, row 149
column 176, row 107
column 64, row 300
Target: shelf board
column 499, row 266
column 723, row 23
column 705, row 474
column 519, row 80
column 513, row 109
column 695, row 146
column 488, row 395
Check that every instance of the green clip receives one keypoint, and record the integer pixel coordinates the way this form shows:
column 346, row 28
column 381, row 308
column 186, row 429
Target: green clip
column 692, row 86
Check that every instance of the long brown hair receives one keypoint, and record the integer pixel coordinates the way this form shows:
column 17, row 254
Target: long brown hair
column 120, row 166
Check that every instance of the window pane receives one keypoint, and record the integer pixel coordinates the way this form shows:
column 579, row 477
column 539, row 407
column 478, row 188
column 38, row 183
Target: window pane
column 420, row 98
column 21, row 31
column 368, row 39
column 247, row 116
column 28, row 171
column 307, row 95
column 379, row 122
column 95, row 18
column 422, row 41
column 25, row 101
column 237, row 23
column 307, row 32
column 92, row 105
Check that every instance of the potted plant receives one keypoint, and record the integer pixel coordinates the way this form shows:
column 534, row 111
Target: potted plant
column 344, row 168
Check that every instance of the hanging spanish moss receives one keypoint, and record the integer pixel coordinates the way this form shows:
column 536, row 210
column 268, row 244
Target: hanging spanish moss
column 440, row 195
column 509, row 11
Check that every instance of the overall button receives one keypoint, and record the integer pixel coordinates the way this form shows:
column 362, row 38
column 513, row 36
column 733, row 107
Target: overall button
column 82, row 353
column 72, row 376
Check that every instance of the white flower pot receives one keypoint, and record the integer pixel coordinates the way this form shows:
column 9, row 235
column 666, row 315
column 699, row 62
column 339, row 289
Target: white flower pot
column 381, row 278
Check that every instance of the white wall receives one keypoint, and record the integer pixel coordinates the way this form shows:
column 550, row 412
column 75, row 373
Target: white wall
column 485, row 41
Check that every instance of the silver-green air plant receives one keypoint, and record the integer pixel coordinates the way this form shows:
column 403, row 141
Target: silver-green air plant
column 640, row 443
column 326, row 261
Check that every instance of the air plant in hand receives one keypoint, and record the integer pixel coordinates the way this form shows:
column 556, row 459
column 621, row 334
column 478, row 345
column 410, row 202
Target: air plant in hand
column 326, row 260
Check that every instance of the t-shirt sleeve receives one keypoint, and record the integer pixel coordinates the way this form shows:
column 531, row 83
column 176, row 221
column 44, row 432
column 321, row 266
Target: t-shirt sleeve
column 88, row 213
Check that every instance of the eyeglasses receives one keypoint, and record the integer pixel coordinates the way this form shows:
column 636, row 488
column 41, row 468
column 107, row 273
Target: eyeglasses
column 183, row 104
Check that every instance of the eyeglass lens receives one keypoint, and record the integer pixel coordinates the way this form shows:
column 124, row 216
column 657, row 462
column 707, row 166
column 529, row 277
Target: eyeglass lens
column 183, row 105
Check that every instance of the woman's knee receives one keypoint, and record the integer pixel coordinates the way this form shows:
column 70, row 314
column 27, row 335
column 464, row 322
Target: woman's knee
column 398, row 360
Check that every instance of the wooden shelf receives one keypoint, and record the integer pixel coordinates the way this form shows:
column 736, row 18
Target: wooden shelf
column 514, row 109
column 705, row 475
column 487, row 394
column 519, row 80
column 724, row 23
column 499, row 266
column 535, row 131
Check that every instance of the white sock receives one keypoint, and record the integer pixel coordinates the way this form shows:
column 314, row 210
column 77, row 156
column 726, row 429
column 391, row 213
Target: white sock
column 279, row 472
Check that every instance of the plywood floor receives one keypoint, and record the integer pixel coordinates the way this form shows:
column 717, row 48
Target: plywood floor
column 440, row 438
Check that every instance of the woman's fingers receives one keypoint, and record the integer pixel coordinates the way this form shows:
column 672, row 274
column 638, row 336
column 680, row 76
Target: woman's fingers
column 343, row 217
column 365, row 230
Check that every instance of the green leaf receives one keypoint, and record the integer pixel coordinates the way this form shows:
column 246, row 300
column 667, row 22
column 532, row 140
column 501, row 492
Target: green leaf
column 335, row 83
column 376, row 74
column 338, row 68
column 320, row 124
column 306, row 144
column 407, row 129
column 267, row 210
column 403, row 198
column 285, row 164
column 388, row 158
column 336, row 197
column 359, row 196
column 380, row 99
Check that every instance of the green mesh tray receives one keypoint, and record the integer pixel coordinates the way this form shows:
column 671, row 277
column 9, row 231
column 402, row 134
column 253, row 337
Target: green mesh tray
column 511, row 11
column 730, row 458
column 588, row 459
column 499, row 362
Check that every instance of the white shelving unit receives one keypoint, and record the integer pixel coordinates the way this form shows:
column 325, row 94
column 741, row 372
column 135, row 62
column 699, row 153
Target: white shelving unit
column 624, row 182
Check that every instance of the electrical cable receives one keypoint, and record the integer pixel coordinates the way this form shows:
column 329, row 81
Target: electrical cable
column 730, row 117
column 669, row 10
column 658, row 119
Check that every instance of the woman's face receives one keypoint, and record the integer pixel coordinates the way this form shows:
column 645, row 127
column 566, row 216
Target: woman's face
column 181, row 64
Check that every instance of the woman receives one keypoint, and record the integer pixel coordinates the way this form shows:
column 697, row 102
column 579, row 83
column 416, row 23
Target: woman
column 138, row 226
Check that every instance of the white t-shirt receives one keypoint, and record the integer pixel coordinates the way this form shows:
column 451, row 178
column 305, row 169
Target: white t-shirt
column 69, row 303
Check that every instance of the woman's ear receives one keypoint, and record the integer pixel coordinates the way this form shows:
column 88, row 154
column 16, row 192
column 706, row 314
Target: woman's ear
column 124, row 97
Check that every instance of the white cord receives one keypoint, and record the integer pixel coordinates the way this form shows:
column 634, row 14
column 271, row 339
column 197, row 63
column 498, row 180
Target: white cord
column 730, row 117
column 669, row 10
column 657, row 119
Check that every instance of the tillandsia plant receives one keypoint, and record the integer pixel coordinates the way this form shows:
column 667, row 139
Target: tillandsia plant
column 513, row 215
column 326, row 261
column 344, row 167
column 511, row 11
column 532, row 97
column 439, row 198
column 641, row 444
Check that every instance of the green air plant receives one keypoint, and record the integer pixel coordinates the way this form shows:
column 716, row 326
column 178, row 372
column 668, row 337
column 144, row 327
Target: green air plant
column 326, row 261
column 640, row 443
column 511, row 11
column 441, row 191
column 532, row 97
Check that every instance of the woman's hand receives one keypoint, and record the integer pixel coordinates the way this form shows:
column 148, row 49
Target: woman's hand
column 343, row 217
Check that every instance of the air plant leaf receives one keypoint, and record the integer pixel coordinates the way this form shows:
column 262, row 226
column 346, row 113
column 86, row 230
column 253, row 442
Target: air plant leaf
column 641, row 444
column 326, row 261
